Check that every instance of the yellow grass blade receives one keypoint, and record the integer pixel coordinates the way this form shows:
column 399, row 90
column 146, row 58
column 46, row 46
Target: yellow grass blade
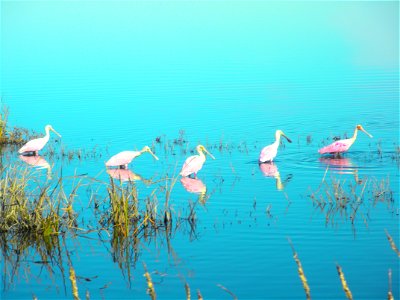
column 392, row 244
column 301, row 272
column 344, row 283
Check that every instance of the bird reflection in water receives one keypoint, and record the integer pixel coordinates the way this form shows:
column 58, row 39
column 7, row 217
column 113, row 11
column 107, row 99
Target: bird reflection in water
column 341, row 166
column 37, row 162
column 125, row 175
column 195, row 186
column 270, row 169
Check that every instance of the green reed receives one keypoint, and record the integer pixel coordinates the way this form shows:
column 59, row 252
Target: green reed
column 43, row 210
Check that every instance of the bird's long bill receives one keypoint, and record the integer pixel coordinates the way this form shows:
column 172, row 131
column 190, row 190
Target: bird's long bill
column 289, row 140
column 55, row 132
column 363, row 130
column 155, row 157
column 209, row 153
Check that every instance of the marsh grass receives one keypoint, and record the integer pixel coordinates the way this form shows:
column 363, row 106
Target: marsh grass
column 339, row 199
column 44, row 210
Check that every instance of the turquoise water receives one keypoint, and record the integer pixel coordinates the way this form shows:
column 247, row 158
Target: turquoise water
column 116, row 75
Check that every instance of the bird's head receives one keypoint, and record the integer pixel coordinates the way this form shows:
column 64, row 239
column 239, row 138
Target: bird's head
column 280, row 133
column 49, row 127
column 201, row 148
column 359, row 127
column 147, row 149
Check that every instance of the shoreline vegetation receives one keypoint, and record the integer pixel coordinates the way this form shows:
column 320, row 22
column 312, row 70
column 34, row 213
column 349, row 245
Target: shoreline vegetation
column 15, row 135
column 43, row 214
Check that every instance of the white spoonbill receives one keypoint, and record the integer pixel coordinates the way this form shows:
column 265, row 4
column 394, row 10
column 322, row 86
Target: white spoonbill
column 268, row 153
column 33, row 146
column 194, row 163
column 123, row 158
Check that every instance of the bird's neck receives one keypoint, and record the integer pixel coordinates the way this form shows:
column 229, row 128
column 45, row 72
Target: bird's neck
column 201, row 153
column 47, row 136
column 355, row 134
column 277, row 138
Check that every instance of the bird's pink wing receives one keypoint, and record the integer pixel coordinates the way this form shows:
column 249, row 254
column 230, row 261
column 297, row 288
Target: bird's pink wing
column 335, row 147
column 33, row 145
column 192, row 165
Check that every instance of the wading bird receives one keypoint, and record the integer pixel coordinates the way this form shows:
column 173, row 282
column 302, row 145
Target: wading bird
column 194, row 163
column 33, row 146
column 342, row 145
column 269, row 152
column 123, row 158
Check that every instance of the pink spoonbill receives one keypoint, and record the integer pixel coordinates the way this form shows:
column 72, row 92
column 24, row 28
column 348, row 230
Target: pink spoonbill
column 342, row 145
column 269, row 152
column 33, row 146
column 123, row 158
column 194, row 163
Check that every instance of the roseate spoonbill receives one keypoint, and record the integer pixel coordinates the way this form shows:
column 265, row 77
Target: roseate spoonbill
column 194, row 163
column 33, row 146
column 123, row 158
column 268, row 153
column 342, row 145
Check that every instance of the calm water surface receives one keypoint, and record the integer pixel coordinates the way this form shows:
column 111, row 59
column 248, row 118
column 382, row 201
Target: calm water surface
column 116, row 76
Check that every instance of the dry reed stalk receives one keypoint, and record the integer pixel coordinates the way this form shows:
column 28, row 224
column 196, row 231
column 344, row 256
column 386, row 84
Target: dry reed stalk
column 390, row 295
column 344, row 283
column 187, row 290
column 199, row 296
column 392, row 244
column 301, row 272
column 228, row 291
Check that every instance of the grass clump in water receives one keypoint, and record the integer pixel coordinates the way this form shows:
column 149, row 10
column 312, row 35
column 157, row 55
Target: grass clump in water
column 43, row 211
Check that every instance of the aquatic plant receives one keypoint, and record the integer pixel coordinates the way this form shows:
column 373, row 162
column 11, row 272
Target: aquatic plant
column 336, row 197
column 44, row 210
